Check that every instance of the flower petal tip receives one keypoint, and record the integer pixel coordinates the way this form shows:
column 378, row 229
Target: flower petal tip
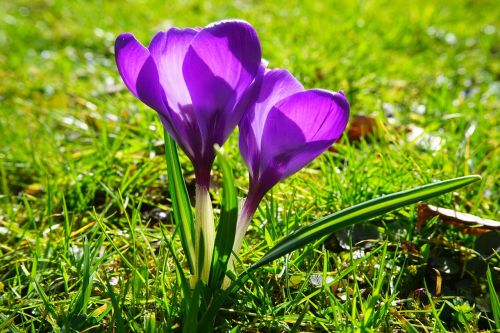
column 228, row 21
column 123, row 39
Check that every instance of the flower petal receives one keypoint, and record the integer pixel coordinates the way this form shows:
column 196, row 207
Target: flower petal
column 168, row 50
column 286, row 164
column 130, row 57
column 138, row 71
column 299, row 128
column 247, row 100
column 221, row 62
column 276, row 85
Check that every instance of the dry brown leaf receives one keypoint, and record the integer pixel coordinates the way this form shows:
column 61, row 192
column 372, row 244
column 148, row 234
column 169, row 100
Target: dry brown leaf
column 438, row 281
column 361, row 126
column 469, row 224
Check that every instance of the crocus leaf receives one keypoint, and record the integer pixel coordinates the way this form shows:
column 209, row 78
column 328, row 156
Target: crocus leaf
column 181, row 206
column 227, row 225
column 360, row 213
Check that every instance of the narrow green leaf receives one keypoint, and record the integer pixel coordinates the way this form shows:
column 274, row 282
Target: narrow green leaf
column 45, row 299
column 89, row 265
column 435, row 312
column 227, row 225
column 360, row 213
column 405, row 323
column 117, row 310
column 296, row 326
column 8, row 322
column 192, row 313
column 67, row 225
column 100, row 222
column 495, row 303
column 191, row 294
column 84, row 296
column 150, row 323
column 184, row 283
column 181, row 206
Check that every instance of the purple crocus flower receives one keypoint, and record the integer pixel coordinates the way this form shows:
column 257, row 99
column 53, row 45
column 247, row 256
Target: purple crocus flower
column 285, row 128
column 198, row 80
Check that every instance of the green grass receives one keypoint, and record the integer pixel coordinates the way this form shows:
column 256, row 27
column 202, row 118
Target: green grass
column 85, row 230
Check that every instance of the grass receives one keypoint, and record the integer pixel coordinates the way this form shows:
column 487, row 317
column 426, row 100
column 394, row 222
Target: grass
column 85, row 227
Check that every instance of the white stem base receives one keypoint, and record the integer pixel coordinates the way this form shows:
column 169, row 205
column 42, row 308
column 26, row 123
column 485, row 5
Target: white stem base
column 205, row 234
column 241, row 229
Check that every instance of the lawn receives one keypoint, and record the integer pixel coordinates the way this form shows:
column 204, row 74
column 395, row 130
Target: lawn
column 86, row 229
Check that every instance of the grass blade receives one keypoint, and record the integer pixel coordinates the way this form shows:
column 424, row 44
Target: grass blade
column 296, row 326
column 117, row 310
column 45, row 299
column 81, row 305
column 495, row 303
column 227, row 225
column 403, row 322
column 360, row 213
column 181, row 206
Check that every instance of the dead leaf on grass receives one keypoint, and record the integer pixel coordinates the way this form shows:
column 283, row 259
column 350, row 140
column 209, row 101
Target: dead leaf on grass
column 438, row 282
column 469, row 224
column 361, row 126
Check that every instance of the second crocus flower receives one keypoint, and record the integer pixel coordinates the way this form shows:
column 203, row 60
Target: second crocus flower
column 284, row 129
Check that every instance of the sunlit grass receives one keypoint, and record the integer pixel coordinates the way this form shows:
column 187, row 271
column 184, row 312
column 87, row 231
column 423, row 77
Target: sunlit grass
column 85, row 231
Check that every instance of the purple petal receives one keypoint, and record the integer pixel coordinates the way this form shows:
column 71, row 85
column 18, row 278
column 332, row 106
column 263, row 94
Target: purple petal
column 138, row 71
column 276, row 85
column 221, row 62
column 130, row 57
column 298, row 129
column 168, row 50
column 246, row 101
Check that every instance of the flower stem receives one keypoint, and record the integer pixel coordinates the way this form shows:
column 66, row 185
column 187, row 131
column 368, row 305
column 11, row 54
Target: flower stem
column 244, row 219
column 205, row 233
column 245, row 216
